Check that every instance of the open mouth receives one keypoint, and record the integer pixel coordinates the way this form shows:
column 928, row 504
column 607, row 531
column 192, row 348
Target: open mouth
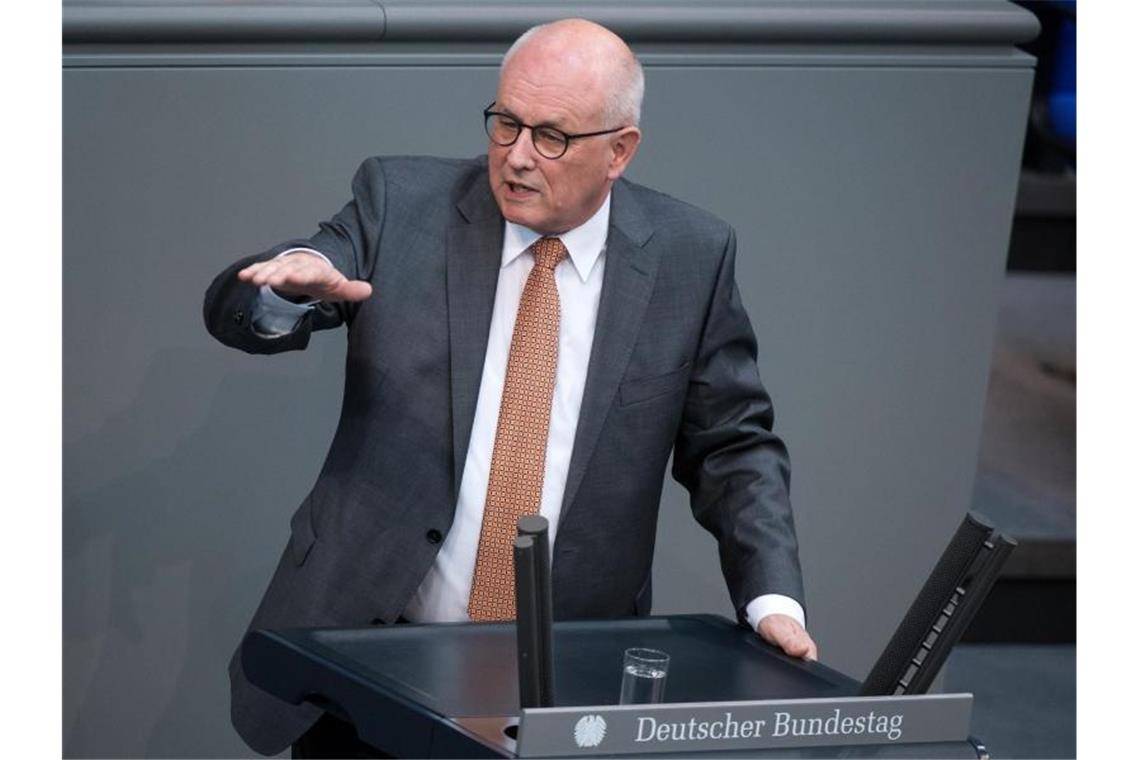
column 520, row 189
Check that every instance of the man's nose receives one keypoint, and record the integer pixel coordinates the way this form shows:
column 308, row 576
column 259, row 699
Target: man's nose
column 521, row 154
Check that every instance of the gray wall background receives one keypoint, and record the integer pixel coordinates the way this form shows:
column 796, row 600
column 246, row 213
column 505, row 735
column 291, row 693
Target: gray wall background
column 871, row 181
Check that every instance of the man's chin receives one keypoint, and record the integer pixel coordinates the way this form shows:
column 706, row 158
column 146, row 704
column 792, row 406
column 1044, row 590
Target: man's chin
column 520, row 213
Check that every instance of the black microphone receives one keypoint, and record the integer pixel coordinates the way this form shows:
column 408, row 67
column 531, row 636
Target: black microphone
column 534, row 612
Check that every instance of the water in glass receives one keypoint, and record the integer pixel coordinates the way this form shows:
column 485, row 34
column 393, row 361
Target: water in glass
column 642, row 684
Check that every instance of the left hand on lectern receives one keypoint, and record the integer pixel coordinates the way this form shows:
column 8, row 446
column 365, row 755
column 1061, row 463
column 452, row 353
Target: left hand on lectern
column 786, row 633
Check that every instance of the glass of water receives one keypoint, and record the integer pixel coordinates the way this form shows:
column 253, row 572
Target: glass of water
column 643, row 676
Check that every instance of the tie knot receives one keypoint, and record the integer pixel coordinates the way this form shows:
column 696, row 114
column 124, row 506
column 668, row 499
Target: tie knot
column 548, row 252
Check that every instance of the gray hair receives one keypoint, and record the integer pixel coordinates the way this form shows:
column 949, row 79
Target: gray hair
column 623, row 102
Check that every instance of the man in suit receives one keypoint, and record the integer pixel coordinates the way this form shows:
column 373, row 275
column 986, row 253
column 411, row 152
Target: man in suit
column 526, row 333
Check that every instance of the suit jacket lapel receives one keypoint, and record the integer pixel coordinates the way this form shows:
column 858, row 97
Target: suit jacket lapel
column 474, row 255
column 631, row 270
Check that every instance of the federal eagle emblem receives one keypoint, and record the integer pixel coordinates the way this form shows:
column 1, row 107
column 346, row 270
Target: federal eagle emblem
column 590, row 730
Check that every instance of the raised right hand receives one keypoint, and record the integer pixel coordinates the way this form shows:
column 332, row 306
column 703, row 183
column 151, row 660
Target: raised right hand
column 303, row 274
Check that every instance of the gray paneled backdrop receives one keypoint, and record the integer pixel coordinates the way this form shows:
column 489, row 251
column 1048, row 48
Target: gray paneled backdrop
column 872, row 187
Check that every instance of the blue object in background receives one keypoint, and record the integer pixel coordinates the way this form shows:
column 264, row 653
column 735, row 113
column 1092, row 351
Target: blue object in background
column 1062, row 99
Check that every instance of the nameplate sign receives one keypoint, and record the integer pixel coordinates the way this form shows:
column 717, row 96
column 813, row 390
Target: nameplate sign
column 770, row 724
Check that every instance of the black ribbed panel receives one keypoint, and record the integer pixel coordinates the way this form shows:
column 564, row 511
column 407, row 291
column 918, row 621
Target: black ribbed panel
column 938, row 591
column 979, row 580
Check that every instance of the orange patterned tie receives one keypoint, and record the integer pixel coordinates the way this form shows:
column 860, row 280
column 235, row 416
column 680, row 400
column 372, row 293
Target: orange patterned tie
column 518, row 461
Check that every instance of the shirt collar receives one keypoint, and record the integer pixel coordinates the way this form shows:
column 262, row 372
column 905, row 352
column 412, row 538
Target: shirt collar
column 584, row 243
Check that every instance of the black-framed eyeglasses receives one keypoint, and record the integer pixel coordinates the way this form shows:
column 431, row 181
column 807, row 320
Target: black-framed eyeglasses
column 504, row 130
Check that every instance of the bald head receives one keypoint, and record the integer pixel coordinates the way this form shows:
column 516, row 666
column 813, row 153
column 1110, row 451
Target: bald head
column 592, row 54
column 563, row 125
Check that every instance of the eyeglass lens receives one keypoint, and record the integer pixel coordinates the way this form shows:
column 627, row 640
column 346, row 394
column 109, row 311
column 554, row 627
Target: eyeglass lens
column 547, row 140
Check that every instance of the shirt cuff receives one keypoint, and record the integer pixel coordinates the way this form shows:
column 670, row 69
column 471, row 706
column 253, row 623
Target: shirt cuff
column 772, row 604
column 273, row 316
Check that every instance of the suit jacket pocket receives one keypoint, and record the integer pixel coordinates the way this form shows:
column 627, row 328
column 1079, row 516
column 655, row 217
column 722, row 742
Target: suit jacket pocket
column 648, row 388
column 302, row 533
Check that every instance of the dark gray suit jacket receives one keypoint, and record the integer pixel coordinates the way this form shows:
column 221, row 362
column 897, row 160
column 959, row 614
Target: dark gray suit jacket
column 673, row 368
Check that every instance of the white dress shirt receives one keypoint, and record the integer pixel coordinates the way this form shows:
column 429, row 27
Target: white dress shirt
column 444, row 592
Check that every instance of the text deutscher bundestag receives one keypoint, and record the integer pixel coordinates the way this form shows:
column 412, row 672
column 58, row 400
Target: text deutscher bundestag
column 782, row 725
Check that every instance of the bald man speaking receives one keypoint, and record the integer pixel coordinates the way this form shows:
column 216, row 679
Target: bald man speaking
column 527, row 333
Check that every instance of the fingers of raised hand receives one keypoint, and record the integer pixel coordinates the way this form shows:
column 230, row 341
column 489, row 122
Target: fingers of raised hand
column 295, row 273
column 251, row 271
column 351, row 290
column 304, row 274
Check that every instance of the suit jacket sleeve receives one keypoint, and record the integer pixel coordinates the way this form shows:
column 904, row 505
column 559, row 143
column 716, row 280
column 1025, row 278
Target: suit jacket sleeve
column 736, row 470
column 349, row 240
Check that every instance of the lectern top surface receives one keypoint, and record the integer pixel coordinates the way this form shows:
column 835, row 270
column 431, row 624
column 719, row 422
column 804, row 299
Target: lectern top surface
column 469, row 670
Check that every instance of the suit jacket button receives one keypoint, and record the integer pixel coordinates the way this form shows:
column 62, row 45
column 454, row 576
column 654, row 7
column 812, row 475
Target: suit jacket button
column 239, row 316
column 434, row 536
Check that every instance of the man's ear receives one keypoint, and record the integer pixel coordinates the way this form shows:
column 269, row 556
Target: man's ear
column 623, row 146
